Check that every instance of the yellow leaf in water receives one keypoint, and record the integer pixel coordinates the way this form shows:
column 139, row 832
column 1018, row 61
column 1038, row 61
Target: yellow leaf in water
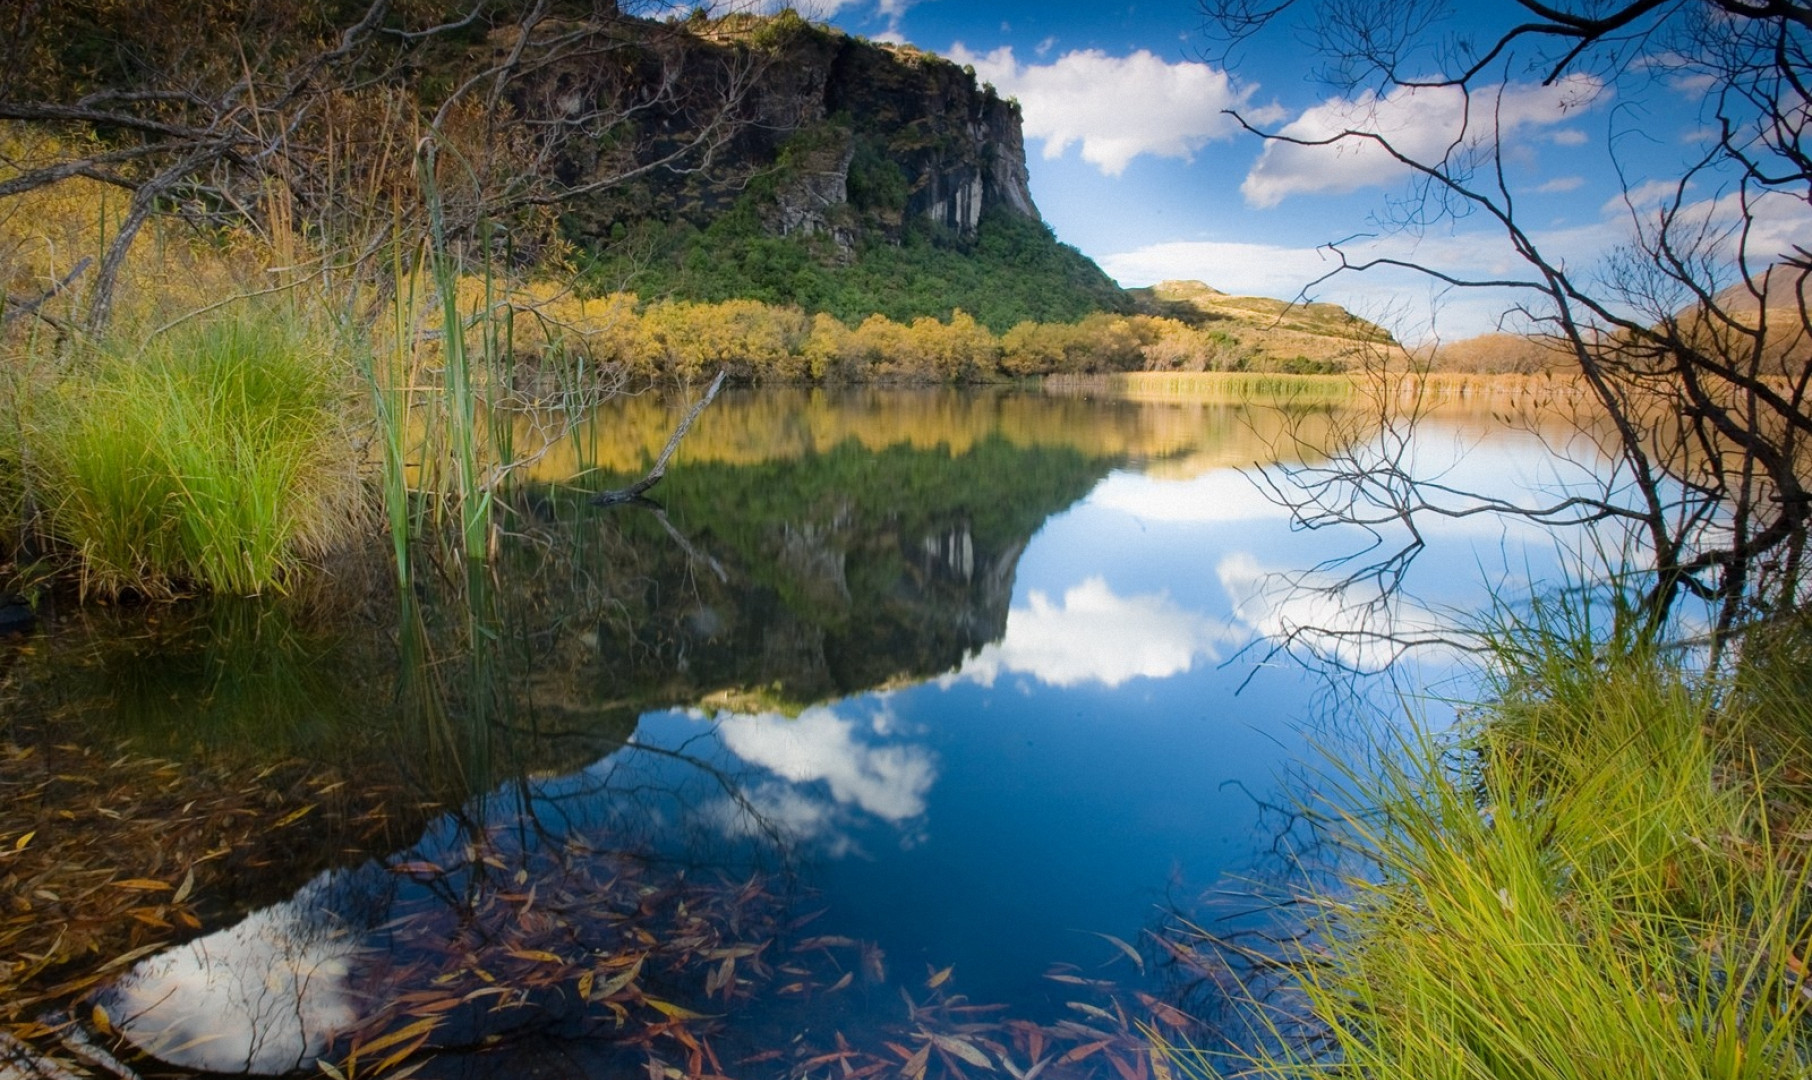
column 101, row 1023
column 540, row 956
column 940, row 978
column 143, row 885
column 423, row 1028
column 672, row 1011
column 187, row 887
column 915, row 1068
column 618, row 982
column 585, row 983
column 19, row 844
column 293, row 816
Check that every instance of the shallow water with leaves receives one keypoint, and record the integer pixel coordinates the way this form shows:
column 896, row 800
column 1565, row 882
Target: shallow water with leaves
column 896, row 739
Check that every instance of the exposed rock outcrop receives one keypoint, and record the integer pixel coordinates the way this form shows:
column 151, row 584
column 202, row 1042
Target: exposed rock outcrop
column 824, row 133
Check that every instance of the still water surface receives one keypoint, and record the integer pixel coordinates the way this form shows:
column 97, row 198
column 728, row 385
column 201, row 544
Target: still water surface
column 899, row 704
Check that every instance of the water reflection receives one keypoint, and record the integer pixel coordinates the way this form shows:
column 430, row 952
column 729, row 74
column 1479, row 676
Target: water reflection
column 1093, row 635
column 961, row 665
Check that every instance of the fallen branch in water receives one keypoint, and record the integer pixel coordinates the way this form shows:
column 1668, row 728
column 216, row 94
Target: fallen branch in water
column 635, row 490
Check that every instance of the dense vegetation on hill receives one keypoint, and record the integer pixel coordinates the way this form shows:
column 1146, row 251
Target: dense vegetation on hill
column 1013, row 271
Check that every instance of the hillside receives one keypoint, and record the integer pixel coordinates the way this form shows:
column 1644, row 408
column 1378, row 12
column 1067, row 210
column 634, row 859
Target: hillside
column 1268, row 334
column 867, row 179
column 757, row 157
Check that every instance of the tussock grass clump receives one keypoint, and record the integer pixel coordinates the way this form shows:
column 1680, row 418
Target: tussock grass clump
column 1607, row 879
column 213, row 456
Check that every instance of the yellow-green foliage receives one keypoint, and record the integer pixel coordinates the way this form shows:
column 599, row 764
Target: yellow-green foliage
column 45, row 235
column 214, row 456
column 694, row 341
column 690, row 341
column 1606, row 883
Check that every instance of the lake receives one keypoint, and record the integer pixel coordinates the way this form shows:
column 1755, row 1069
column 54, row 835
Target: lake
column 900, row 736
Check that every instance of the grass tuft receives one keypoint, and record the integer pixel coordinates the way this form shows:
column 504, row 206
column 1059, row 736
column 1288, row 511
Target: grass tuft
column 213, row 456
column 1606, row 877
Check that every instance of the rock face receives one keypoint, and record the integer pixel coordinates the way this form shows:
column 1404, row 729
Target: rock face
column 959, row 146
column 825, row 134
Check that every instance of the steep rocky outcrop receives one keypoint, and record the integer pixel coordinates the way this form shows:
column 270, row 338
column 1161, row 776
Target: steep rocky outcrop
column 824, row 133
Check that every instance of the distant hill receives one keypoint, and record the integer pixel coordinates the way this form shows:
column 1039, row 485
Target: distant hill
column 1518, row 354
column 1497, row 354
column 1274, row 334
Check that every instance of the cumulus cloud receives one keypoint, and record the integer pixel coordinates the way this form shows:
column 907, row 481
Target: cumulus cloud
column 1422, row 123
column 1093, row 635
column 888, row 781
column 1116, row 107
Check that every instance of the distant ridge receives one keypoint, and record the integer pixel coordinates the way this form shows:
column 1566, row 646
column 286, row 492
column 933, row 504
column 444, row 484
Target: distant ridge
column 1274, row 332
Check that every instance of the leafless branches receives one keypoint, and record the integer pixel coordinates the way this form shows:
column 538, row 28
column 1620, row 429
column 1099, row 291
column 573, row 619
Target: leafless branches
column 275, row 117
column 1692, row 338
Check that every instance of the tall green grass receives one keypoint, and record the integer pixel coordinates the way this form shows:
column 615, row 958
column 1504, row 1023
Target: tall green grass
column 1606, row 877
column 214, row 456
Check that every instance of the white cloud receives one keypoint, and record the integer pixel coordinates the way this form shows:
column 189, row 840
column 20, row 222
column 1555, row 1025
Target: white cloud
column 888, row 781
column 1561, row 184
column 1569, row 137
column 1116, row 107
column 1652, row 193
column 1218, row 496
column 1092, row 635
column 1424, row 124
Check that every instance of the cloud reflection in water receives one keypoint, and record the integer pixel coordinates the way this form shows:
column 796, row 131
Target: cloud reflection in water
column 1095, row 635
column 824, row 753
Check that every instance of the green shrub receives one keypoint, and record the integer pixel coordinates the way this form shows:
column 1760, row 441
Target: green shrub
column 214, row 456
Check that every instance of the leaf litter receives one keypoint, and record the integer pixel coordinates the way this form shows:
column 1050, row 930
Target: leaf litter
column 107, row 857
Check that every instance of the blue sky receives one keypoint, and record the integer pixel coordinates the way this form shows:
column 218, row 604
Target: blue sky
column 1134, row 161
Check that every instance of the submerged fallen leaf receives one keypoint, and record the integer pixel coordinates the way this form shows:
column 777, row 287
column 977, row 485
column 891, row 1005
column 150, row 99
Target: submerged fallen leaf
column 1083, row 1051
column 675, row 1012
column 960, row 1048
column 187, row 887
column 1131, row 952
column 940, row 978
column 144, row 885
column 293, row 816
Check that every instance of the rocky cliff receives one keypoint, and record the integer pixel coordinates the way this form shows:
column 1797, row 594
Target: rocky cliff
column 821, row 133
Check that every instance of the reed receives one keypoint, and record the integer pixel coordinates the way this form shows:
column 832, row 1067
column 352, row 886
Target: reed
column 1215, row 387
